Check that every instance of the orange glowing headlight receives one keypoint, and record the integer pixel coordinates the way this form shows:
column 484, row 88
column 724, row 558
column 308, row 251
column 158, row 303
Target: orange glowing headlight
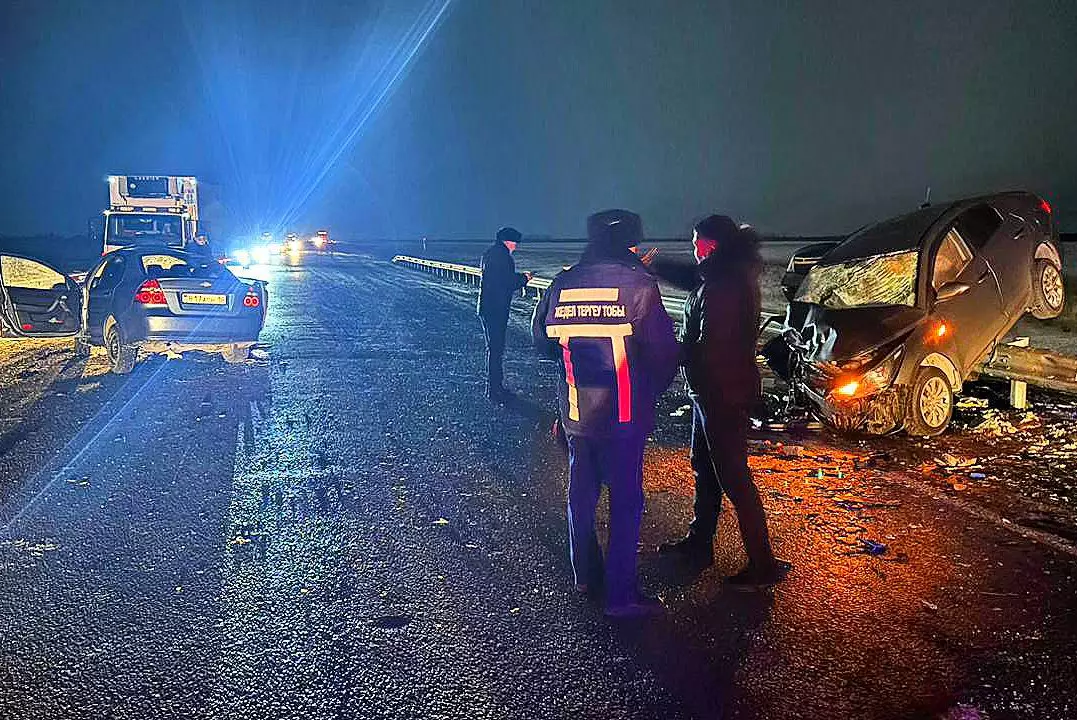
column 874, row 380
column 849, row 389
column 941, row 330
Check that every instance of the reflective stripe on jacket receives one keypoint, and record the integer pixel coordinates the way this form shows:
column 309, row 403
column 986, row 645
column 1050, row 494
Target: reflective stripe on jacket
column 605, row 322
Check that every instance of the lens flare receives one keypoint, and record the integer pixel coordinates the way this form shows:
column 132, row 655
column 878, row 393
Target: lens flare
column 289, row 100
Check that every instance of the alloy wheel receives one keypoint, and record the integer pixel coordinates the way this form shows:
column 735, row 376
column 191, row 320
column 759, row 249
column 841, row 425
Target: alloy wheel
column 935, row 402
column 1051, row 282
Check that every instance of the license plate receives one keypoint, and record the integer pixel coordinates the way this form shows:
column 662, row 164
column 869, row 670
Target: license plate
column 203, row 299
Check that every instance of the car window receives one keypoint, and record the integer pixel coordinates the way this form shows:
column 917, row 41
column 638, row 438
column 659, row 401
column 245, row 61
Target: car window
column 19, row 272
column 978, row 224
column 157, row 263
column 101, row 269
column 108, row 275
column 166, row 265
column 951, row 259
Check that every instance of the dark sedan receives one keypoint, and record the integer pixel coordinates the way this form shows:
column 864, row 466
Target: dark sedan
column 888, row 325
column 146, row 299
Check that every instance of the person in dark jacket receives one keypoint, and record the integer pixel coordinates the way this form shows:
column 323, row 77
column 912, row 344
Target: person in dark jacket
column 604, row 320
column 498, row 284
column 721, row 320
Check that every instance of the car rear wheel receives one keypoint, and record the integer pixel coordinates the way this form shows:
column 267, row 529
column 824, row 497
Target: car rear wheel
column 931, row 403
column 121, row 355
column 236, row 353
column 1048, row 290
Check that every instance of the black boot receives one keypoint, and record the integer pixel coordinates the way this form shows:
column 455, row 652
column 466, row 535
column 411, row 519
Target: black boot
column 694, row 547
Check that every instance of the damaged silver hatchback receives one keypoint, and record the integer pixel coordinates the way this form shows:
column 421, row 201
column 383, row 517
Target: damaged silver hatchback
column 887, row 327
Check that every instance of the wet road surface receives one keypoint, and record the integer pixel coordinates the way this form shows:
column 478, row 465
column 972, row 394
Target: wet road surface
column 348, row 529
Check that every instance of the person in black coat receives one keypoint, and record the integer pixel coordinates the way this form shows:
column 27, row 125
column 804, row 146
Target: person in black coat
column 718, row 338
column 499, row 283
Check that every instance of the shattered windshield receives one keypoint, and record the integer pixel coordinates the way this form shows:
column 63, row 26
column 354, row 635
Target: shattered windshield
column 880, row 280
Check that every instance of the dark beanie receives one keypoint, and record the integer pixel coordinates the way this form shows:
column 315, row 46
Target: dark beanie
column 508, row 234
column 616, row 228
column 719, row 228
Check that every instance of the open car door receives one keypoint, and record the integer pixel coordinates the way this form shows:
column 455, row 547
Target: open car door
column 37, row 300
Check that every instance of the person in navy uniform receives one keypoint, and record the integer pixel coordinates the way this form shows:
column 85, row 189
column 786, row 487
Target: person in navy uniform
column 604, row 320
column 718, row 343
column 498, row 284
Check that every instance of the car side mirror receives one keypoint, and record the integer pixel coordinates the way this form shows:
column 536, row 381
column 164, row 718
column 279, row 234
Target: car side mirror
column 951, row 290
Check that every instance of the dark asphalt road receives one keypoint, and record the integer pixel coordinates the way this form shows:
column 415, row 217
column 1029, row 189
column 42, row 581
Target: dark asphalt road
column 349, row 530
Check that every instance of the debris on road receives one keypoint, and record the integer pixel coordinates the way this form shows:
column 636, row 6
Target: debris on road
column 871, row 547
column 995, row 424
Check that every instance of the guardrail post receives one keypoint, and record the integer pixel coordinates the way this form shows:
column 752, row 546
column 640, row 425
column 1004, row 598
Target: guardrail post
column 1019, row 389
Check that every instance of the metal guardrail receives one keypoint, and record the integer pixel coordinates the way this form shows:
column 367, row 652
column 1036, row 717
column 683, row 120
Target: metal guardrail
column 471, row 275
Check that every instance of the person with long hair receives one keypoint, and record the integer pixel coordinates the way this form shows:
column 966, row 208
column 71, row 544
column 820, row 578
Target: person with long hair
column 721, row 320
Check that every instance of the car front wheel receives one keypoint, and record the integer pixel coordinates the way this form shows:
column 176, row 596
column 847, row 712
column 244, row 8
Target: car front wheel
column 1048, row 290
column 931, row 403
column 121, row 355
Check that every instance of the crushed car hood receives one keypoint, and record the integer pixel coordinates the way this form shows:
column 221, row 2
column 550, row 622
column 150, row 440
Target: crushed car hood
column 836, row 336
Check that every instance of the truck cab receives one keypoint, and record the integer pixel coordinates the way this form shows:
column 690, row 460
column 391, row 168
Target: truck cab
column 150, row 210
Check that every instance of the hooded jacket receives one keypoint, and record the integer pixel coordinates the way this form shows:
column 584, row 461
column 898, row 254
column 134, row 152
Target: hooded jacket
column 604, row 320
column 718, row 338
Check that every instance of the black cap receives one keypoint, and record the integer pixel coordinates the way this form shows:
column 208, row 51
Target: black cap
column 508, row 234
column 618, row 228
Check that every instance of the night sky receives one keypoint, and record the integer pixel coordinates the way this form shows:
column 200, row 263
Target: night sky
column 809, row 119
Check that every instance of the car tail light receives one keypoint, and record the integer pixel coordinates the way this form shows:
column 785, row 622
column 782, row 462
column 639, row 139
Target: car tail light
column 150, row 293
column 251, row 300
column 1045, row 206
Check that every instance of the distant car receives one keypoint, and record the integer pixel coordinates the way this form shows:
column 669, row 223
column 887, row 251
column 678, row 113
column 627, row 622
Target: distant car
column 145, row 299
column 322, row 242
column 887, row 326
